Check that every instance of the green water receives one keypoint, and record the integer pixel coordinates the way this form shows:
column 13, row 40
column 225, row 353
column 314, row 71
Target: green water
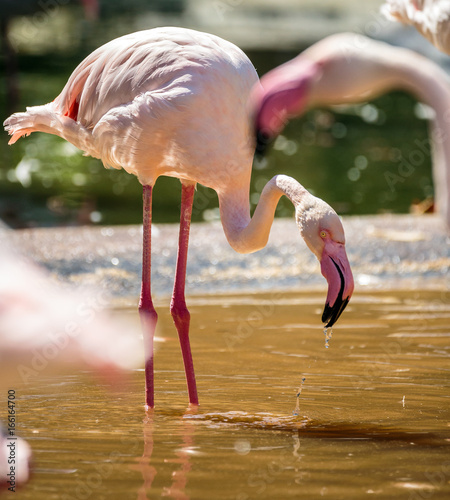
column 343, row 156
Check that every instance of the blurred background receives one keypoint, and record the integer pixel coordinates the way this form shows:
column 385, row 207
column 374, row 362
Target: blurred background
column 341, row 155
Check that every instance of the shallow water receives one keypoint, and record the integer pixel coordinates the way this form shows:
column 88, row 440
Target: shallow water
column 373, row 416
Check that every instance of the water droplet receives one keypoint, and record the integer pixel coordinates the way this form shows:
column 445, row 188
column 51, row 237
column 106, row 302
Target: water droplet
column 328, row 332
column 299, row 391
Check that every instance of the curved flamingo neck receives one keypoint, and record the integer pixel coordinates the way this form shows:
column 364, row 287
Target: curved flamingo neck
column 430, row 84
column 248, row 234
column 423, row 78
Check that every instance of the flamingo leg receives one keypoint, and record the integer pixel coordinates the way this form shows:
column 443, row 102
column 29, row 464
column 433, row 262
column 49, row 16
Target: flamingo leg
column 147, row 312
column 178, row 309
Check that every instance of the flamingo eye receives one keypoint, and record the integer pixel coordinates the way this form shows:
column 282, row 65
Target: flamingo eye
column 323, row 234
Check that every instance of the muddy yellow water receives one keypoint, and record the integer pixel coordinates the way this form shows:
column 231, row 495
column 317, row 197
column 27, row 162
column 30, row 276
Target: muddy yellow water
column 373, row 413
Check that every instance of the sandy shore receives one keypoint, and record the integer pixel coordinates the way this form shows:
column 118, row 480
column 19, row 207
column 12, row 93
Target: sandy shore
column 391, row 251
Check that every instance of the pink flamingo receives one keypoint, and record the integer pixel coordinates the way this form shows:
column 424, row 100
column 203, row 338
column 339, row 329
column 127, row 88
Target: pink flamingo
column 351, row 68
column 173, row 102
column 430, row 17
column 46, row 329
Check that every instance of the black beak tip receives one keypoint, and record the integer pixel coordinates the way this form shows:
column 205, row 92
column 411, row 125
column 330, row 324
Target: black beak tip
column 262, row 141
column 331, row 314
column 326, row 314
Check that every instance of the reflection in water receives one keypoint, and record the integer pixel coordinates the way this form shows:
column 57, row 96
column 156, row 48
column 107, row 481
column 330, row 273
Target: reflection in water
column 184, row 431
column 180, row 476
column 147, row 470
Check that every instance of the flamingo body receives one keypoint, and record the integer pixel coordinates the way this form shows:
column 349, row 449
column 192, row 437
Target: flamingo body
column 174, row 102
column 140, row 101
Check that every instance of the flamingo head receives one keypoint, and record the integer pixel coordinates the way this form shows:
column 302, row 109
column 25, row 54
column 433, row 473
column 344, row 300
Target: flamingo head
column 281, row 94
column 322, row 231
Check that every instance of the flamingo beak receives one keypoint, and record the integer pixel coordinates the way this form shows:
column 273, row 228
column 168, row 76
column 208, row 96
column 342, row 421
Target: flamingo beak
column 336, row 270
column 282, row 94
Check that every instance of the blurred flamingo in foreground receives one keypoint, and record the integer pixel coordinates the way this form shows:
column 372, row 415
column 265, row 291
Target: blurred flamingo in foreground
column 430, row 17
column 350, row 68
column 173, row 102
column 45, row 329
